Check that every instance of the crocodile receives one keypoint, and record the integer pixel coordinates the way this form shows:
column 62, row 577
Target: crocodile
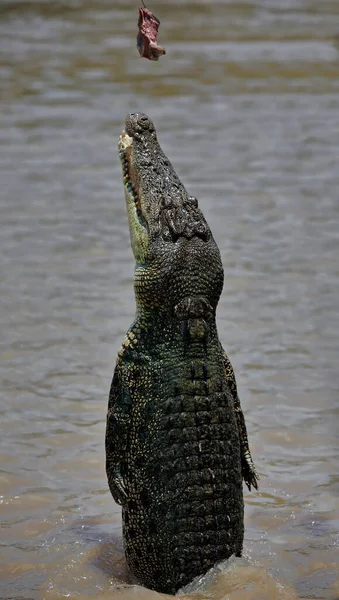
column 176, row 442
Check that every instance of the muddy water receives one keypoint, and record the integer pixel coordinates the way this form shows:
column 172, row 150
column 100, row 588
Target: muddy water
column 246, row 103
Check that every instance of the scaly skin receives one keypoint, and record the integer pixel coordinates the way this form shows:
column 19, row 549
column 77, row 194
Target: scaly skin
column 176, row 441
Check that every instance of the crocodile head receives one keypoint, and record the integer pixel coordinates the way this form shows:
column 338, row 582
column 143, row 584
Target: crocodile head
column 158, row 204
column 166, row 226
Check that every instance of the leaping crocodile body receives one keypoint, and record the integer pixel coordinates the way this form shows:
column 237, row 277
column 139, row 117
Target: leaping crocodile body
column 176, row 441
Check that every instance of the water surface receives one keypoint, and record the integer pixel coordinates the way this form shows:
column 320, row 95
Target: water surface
column 246, row 104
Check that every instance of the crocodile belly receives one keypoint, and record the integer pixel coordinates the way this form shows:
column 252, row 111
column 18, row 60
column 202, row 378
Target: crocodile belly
column 184, row 482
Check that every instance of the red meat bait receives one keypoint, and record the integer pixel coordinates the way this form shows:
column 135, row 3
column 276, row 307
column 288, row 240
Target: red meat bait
column 147, row 37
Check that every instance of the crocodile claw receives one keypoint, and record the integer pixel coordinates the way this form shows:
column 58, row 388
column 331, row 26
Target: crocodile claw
column 117, row 487
column 249, row 473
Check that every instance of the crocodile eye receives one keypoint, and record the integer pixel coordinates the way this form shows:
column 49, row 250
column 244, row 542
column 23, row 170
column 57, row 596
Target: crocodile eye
column 166, row 203
column 193, row 200
column 201, row 229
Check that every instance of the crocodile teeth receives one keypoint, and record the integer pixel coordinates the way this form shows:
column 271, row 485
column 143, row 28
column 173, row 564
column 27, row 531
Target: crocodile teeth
column 124, row 141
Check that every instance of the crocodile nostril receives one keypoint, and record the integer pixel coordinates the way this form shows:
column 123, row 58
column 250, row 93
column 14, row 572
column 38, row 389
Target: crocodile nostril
column 144, row 122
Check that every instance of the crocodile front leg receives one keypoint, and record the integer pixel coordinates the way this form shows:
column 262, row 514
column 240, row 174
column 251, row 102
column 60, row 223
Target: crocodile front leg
column 116, row 435
column 249, row 473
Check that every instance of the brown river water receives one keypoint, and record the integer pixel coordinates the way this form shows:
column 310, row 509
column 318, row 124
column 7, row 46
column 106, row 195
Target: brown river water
column 246, row 104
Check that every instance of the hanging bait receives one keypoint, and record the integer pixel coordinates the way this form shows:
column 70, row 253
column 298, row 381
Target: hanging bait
column 147, row 37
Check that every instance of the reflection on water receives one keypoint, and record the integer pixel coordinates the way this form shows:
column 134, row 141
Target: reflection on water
column 246, row 106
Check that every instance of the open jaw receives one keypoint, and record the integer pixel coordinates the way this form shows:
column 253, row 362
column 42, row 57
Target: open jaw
column 138, row 226
column 131, row 184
